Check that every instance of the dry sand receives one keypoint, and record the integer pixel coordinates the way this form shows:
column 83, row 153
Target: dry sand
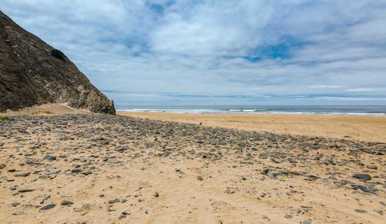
column 45, row 110
column 363, row 128
column 103, row 169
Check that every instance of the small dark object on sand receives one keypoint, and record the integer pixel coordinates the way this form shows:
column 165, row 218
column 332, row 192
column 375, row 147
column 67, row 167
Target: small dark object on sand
column 360, row 176
column 47, row 207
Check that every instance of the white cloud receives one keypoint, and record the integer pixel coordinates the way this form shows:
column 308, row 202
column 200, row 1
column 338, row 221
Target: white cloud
column 157, row 47
column 214, row 28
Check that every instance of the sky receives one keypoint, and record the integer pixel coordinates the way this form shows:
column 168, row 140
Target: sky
column 219, row 52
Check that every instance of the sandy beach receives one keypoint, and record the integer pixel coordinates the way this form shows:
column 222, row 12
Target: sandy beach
column 88, row 168
column 355, row 127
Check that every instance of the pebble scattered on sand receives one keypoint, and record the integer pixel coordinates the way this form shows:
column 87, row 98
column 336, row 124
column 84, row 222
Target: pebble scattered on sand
column 79, row 147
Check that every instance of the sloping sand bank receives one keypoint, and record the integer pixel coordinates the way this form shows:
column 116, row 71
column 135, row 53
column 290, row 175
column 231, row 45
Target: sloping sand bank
column 363, row 128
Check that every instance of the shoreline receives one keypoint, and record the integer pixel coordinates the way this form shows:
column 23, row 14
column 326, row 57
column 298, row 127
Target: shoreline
column 252, row 113
column 371, row 110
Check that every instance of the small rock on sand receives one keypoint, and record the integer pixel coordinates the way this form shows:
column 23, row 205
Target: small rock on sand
column 66, row 203
column 47, row 207
column 25, row 190
column 361, row 176
column 22, row 174
column 50, row 157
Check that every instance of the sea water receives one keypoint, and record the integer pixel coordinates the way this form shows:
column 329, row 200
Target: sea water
column 375, row 110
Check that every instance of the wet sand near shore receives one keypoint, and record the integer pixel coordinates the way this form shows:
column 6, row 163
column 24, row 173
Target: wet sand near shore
column 363, row 128
column 88, row 168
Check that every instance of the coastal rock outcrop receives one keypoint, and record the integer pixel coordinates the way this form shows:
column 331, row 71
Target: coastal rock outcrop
column 32, row 72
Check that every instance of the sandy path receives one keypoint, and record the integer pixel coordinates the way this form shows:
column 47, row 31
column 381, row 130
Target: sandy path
column 45, row 110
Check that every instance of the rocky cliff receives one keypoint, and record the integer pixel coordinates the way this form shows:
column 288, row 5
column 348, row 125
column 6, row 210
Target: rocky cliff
column 32, row 72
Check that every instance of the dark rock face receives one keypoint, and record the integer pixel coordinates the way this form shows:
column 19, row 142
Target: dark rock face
column 32, row 72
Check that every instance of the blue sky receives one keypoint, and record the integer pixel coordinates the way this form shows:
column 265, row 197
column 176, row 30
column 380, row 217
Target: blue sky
column 219, row 51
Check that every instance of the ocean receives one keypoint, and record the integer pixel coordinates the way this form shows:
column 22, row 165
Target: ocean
column 376, row 110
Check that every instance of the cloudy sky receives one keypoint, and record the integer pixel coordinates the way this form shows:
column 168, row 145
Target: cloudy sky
column 219, row 51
